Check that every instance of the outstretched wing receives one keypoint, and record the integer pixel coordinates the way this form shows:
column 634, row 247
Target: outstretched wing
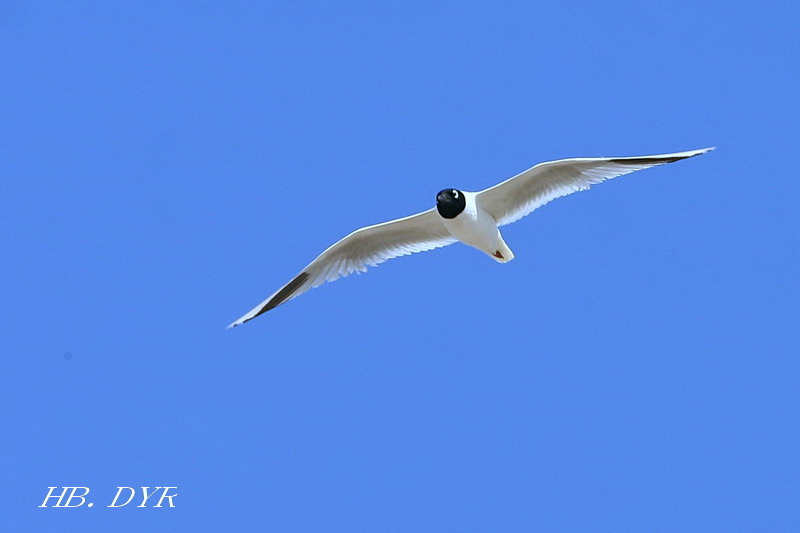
column 368, row 246
column 516, row 197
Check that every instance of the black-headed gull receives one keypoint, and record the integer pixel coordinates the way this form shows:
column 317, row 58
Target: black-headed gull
column 473, row 218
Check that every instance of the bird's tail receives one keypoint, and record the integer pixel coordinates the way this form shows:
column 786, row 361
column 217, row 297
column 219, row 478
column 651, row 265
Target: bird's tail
column 503, row 254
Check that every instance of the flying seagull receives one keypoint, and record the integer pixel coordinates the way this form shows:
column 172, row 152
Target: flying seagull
column 473, row 218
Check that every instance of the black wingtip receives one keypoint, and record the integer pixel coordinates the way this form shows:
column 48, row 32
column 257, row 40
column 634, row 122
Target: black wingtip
column 284, row 294
column 659, row 160
column 647, row 160
column 281, row 296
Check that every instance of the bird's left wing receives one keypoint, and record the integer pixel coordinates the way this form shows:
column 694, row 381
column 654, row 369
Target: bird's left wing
column 516, row 197
column 368, row 246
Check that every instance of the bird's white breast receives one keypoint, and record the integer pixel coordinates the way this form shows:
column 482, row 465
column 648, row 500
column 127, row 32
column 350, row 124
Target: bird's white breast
column 474, row 226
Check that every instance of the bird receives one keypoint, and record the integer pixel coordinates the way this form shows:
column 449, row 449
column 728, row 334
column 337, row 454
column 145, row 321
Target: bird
column 473, row 218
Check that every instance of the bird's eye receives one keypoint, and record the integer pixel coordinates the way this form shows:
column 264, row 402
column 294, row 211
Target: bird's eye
column 455, row 193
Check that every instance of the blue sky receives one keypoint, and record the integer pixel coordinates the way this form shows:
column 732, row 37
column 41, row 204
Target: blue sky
column 166, row 167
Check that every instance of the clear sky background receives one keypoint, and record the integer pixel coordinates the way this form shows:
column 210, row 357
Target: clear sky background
column 166, row 166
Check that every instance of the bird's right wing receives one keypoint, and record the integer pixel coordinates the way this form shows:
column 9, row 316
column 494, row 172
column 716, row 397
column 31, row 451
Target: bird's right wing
column 368, row 246
column 516, row 197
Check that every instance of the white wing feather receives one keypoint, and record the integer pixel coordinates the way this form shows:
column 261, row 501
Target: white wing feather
column 365, row 247
column 516, row 197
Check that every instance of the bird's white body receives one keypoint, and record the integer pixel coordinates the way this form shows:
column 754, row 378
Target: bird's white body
column 477, row 228
column 469, row 217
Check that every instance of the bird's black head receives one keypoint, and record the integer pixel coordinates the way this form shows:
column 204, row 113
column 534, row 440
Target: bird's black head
column 450, row 203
